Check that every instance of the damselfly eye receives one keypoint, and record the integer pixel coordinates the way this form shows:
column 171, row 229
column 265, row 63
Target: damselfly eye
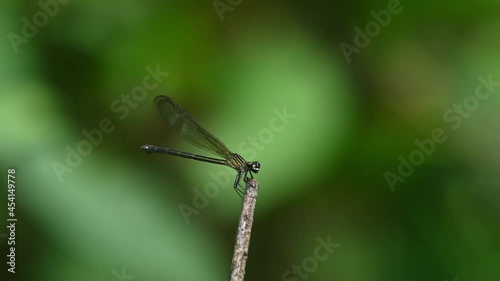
column 255, row 166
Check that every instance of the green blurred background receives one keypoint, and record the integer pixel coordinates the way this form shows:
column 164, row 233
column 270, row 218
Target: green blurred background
column 271, row 80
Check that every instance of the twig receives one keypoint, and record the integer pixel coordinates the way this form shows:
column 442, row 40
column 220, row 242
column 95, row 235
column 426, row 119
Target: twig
column 244, row 230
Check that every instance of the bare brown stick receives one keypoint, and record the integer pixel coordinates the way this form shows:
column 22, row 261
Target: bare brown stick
column 244, row 230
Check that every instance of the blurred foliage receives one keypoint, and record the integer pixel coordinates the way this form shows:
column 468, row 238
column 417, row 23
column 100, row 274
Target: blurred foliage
column 324, row 167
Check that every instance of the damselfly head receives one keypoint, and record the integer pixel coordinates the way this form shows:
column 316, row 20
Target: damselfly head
column 255, row 166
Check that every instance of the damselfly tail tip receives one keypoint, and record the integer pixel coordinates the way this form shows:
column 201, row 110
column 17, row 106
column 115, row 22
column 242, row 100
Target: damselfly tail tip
column 147, row 148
